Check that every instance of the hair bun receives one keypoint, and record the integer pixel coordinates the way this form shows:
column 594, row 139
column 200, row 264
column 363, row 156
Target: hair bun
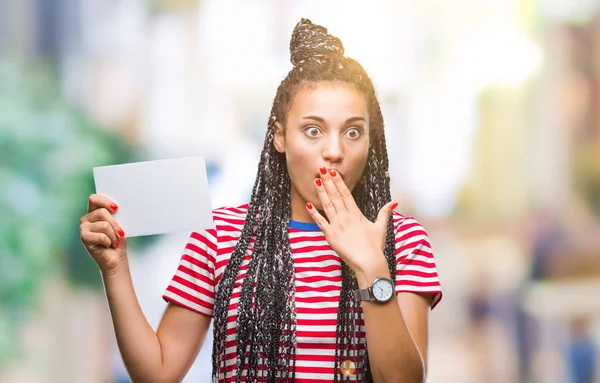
column 312, row 41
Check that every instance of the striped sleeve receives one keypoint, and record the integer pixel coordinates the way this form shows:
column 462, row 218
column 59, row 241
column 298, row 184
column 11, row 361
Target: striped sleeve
column 193, row 285
column 415, row 264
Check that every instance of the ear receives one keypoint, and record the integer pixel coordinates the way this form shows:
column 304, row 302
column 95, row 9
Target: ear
column 278, row 138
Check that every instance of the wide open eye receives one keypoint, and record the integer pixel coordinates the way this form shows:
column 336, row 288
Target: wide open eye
column 312, row 131
column 352, row 133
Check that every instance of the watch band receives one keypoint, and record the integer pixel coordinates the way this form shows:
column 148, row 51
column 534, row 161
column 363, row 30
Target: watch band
column 366, row 294
column 363, row 294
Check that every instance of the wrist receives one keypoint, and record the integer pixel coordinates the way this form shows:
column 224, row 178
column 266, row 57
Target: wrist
column 116, row 272
column 366, row 274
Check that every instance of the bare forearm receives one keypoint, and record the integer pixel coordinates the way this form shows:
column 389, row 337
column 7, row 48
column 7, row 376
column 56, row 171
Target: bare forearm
column 137, row 341
column 393, row 355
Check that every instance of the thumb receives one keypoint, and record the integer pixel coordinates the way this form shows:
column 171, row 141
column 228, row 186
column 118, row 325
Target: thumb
column 385, row 213
column 121, row 243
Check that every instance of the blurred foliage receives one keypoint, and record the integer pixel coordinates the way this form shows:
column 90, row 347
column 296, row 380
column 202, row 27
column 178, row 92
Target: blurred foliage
column 587, row 173
column 161, row 6
column 47, row 151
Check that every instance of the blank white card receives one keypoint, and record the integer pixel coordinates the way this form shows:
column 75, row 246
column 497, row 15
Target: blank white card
column 158, row 197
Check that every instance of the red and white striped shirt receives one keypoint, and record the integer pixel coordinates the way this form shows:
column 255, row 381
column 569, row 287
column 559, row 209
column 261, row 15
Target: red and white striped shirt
column 318, row 282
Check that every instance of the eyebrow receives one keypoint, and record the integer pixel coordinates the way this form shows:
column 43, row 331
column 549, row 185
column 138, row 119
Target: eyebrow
column 322, row 120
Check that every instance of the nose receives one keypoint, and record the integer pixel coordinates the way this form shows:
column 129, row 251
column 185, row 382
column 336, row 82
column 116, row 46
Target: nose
column 333, row 150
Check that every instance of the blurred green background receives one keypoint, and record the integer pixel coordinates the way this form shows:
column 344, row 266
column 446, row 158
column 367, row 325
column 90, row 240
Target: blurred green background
column 47, row 148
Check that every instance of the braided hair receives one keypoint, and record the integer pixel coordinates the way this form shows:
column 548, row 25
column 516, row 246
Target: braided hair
column 265, row 336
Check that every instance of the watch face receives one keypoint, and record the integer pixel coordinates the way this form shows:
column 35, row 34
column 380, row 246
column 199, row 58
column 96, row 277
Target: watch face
column 383, row 289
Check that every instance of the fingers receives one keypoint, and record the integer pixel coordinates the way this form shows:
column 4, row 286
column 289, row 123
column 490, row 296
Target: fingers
column 105, row 215
column 318, row 218
column 328, row 193
column 385, row 213
column 99, row 201
column 104, row 227
column 91, row 238
column 342, row 190
column 326, row 202
column 102, row 221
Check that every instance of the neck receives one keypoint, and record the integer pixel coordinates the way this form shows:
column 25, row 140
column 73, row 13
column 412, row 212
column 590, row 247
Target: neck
column 298, row 206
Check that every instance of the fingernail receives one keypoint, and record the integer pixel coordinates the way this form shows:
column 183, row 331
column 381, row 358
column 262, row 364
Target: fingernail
column 309, row 205
column 332, row 172
column 113, row 207
column 117, row 244
column 318, row 182
column 394, row 205
column 323, row 171
column 121, row 233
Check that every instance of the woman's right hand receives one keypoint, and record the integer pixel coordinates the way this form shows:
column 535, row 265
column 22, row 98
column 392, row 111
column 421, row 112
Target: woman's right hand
column 101, row 234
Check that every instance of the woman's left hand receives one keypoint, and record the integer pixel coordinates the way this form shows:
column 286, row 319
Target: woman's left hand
column 349, row 233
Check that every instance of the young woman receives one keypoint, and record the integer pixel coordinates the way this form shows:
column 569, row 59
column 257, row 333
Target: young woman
column 316, row 278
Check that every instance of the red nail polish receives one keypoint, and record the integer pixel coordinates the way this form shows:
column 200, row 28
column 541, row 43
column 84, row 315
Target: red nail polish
column 121, row 233
column 117, row 244
column 113, row 207
column 318, row 182
column 332, row 172
column 323, row 171
column 309, row 205
column 394, row 205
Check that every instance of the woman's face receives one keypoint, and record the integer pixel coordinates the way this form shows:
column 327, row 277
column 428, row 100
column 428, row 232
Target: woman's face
column 326, row 126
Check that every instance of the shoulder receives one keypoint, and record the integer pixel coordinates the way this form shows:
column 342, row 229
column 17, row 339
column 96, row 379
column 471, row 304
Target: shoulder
column 228, row 222
column 232, row 214
column 406, row 226
column 410, row 235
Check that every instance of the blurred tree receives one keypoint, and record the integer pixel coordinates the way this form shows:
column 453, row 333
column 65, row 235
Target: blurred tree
column 159, row 6
column 586, row 170
column 47, row 151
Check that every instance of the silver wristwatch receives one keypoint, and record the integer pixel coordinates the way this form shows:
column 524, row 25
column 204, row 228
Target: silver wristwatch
column 381, row 291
